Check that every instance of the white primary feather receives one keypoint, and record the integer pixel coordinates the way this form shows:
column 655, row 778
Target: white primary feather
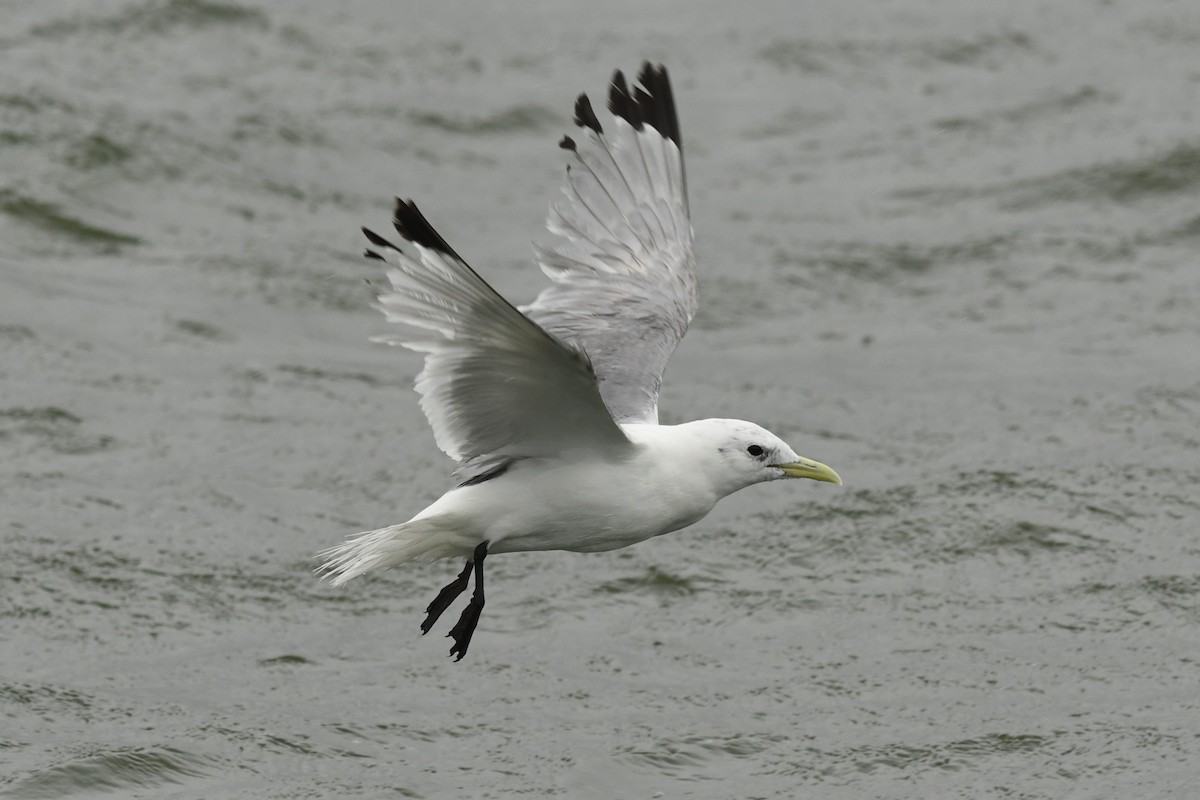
column 495, row 385
column 624, row 280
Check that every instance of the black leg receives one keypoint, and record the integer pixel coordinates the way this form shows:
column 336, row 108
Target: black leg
column 465, row 628
column 445, row 597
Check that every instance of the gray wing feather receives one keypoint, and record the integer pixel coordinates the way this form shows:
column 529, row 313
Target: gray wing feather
column 495, row 385
column 624, row 284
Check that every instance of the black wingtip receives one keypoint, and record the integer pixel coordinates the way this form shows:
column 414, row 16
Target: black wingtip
column 650, row 103
column 620, row 103
column 567, row 143
column 666, row 119
column 412, row 225
column 585, row 115
column 377, row 240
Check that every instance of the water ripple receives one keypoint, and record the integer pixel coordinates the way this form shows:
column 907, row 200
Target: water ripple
column 112, row 771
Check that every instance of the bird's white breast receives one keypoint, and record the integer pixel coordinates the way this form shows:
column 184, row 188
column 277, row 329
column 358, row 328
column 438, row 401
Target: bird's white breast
column 586, row 502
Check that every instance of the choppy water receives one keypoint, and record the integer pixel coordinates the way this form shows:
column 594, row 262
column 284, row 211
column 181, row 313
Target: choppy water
column 948, row 248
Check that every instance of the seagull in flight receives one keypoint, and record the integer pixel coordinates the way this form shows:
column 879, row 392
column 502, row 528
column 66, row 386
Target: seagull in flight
column 551, row 409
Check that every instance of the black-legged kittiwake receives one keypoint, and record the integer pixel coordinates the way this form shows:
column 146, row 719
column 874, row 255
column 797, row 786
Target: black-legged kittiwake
column 551, row 410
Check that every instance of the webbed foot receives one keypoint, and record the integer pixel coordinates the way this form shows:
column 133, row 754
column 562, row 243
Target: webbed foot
column 464, row 629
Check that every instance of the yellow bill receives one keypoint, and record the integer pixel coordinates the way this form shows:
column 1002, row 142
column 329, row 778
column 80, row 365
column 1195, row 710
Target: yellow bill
column 805, row 468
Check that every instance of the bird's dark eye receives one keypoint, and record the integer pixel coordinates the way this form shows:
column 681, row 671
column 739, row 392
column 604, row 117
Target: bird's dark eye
column 754, row 450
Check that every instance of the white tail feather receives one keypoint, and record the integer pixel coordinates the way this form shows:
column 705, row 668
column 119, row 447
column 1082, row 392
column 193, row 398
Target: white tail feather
column 420, row 540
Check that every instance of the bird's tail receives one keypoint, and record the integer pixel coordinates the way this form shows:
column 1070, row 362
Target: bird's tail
column 425, row 539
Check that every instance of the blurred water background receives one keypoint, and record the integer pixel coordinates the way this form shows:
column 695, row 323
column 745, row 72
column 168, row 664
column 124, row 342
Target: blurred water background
column 948, row 248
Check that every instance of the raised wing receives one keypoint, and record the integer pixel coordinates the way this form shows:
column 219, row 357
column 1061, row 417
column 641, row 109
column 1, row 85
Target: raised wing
column 495, row 385
column 624, row 285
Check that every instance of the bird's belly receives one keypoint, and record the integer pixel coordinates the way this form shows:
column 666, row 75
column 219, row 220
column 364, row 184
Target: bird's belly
column 584, row 508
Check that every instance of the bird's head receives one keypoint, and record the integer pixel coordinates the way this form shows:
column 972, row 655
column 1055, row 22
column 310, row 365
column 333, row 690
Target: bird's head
column 749, row 454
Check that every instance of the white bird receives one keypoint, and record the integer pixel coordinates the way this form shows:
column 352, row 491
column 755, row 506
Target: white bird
column 551, row 410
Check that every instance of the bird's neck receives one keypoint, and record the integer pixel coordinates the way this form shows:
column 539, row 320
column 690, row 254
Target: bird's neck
column 689, row 454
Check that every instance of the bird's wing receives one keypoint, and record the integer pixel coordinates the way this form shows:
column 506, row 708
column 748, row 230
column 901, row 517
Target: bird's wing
column 495, row 385
column 624, row 284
